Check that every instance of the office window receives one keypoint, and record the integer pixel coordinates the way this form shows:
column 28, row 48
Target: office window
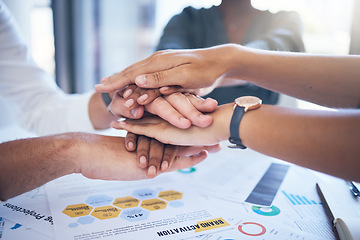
column 42, row 35
column 327, row 29
column 327, row 22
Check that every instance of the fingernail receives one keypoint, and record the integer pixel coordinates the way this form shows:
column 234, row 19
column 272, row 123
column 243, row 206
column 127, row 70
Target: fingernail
column 210, row 100
column 140, row 80
column 127, row 93
column 120, row 124
column 134, row 112
column 151, row 171
column 129, row 103
column 131, row 145
column 104, row 79
column 143, row 98
column 143, row 161
column 164, row 166
column 183, row 119
column 164, row 89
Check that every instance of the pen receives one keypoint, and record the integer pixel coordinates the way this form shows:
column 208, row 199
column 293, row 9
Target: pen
column 354, row 189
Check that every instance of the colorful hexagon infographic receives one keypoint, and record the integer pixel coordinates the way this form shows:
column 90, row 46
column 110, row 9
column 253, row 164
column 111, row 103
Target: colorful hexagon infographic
column 126, row 202
column 153, row 204
column 170, row 195
column 132, row 208
column 106, row 212
column 135, row 214
column 86, row 220
column 99, row 200
column 144, row 193
column 77, row 210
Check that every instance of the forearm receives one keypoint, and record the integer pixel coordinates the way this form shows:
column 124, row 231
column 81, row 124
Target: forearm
column 326, row 80
column 29, row 163
column 326, row 141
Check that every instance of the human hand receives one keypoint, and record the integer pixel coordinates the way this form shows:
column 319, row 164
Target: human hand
column 155, row 156
column 190, row 69
column 106, row 158
column 161, row 130
column 150, row 153
column 118, row 107
column 181, row 110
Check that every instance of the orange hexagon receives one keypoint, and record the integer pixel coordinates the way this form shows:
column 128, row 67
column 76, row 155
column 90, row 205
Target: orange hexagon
column 153, row 204
column 77, row 210
column 126, row 202
column 170, row 195
column 106, row 212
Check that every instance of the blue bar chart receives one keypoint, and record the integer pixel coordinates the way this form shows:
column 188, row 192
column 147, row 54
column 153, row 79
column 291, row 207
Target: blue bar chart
column 299, row 200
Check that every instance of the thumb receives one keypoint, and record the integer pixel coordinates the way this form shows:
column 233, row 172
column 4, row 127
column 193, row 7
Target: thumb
column 160, row 79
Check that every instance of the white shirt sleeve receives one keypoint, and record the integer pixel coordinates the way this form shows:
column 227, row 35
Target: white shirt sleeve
column 40, row 105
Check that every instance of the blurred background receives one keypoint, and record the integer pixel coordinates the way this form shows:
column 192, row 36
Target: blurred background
column 80, row 41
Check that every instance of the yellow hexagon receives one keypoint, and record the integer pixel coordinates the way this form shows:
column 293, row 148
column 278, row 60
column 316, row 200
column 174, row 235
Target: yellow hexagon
column 170, row 195
column 126, row 202
column 106, row 212
column 77, row 210
column 153, row 204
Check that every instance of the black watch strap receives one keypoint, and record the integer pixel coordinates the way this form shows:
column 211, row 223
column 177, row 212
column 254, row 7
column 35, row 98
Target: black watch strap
column 106, row 98
column 234, row 127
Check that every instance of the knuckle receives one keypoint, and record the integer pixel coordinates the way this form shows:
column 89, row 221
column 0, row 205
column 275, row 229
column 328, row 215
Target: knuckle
column 142, row 152
column 158, row 77
column 153, row 92
column 160, row 101
column 140, row 90
column 155, row 143
column 126, row 75
column 130, row 136
column 143, row 143
column 131, row 86
column 177, row 94
column 168, row 156
column 154, row 159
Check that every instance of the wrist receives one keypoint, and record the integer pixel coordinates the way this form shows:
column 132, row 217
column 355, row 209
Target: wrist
column 239, row 61
column 222, row 118
column 99, row 115
column 78, row 151
column 67, row 152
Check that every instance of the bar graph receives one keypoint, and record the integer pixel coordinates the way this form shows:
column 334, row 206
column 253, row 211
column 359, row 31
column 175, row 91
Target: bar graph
column 299, row 200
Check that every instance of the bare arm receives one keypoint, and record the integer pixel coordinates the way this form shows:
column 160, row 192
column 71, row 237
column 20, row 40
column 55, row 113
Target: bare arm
column 29, row 163
column 326, row 80
column 331, row 81
column 326, row 141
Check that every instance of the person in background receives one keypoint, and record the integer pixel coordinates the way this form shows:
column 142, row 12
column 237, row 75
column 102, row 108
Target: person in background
column 234, row 21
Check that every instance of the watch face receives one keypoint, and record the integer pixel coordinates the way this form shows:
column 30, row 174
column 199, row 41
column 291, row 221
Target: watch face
column 248, row 102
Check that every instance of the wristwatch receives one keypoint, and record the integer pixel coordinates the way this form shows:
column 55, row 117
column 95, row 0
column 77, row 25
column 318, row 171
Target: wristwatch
column 241, row 106
column 106, row 98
